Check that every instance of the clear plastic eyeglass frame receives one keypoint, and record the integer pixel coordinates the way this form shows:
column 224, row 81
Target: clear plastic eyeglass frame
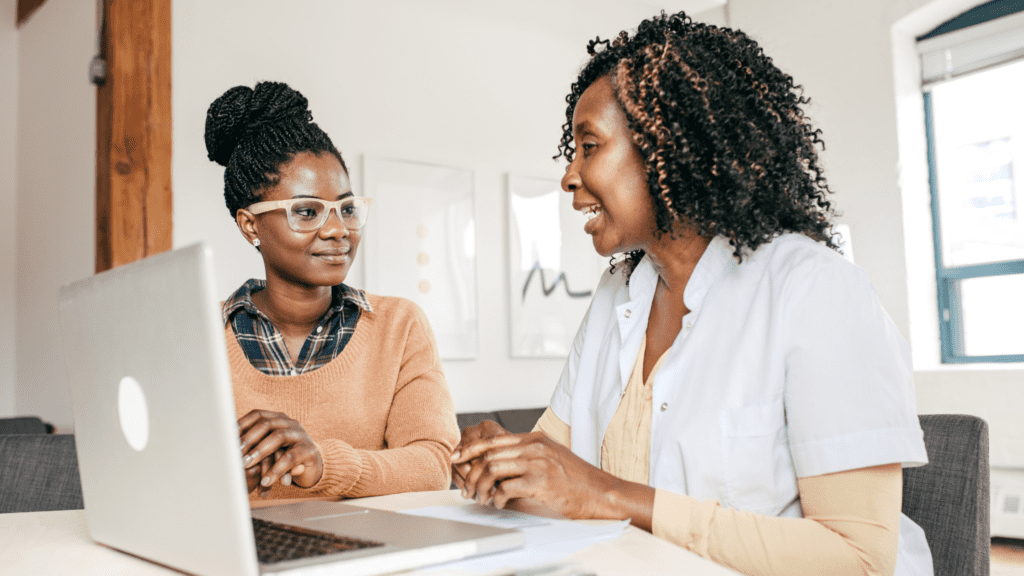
column 309, row 214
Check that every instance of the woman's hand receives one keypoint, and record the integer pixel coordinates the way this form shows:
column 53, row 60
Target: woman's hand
column 484, row 430
column 489, row 464
column 275, row 447
column 255, row 473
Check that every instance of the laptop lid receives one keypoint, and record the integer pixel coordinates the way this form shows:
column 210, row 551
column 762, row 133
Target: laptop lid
column 158, row 442
column 154, row 414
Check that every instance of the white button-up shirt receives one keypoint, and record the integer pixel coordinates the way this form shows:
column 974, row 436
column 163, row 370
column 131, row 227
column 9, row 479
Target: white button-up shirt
column 786, row 366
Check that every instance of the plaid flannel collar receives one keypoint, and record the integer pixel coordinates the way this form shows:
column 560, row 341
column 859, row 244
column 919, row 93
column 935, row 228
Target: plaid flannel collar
column 242, row 300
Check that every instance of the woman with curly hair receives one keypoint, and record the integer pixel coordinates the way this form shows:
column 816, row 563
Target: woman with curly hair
column 338, row 392
column 736, row 387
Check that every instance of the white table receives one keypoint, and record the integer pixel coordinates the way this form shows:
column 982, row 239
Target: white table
column 58, row 543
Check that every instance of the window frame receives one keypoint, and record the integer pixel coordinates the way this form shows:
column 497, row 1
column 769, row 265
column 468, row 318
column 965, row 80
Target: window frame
column 948, row 279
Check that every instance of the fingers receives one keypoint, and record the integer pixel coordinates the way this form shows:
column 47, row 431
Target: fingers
column 485, row 429
column 245, row 424
column 535, row 467
column 283, row 462
column 264, row 467
column 459, row 472
column 267, row 436
column 508, row 489
column 256, row 431
column 291, row 465
column 307, row 474
column 470, row 436
column 468, row 451
column 533, row 461
column 497, row 473
column 496, row 466
column 276, row 448
column 252, row 478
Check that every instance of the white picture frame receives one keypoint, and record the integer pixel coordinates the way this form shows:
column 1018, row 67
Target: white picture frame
column 420, row 244
column 844, row 241
column 553, row 268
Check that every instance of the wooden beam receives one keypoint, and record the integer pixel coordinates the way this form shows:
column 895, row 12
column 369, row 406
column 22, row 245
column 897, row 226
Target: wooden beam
column 26, row 8
column 133, row 133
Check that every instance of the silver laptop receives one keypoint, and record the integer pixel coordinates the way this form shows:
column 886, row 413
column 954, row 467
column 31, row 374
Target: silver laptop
column 158, row 443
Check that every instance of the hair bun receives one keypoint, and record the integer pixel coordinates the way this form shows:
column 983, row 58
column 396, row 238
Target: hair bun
column 243, row 111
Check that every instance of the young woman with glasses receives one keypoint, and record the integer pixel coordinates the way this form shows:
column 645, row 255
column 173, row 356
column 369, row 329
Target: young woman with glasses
column 736, row 387
column 338, row 392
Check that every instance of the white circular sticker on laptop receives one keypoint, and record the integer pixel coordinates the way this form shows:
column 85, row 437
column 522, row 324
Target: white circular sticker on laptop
column 134, row 413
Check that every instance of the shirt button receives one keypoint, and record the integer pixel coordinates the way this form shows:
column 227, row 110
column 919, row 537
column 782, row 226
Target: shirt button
column 664, row 407
column 294, row 373
column 689, row 325
column 627, row 313
column 320, row 329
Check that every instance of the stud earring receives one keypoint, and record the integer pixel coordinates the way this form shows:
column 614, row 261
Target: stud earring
column 256, row 242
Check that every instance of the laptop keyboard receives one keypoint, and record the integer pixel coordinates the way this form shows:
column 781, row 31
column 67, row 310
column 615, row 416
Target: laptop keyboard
column 279, row 542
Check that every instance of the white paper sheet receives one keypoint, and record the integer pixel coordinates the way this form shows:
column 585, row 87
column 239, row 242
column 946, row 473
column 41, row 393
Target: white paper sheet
column 547, row 540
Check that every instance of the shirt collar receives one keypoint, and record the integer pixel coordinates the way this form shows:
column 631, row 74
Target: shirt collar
column 343, row 292
column 715, row 261
column 717, row 258
column 242, row 300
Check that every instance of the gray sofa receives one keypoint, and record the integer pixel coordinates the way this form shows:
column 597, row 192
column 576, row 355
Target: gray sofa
column 517, row 421
column 39, row 472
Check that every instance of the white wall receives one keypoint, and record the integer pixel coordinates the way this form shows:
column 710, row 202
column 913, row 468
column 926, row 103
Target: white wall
column 56, row 143
column 862, row 77
column 467, row 84
column 446, row 81
column 456, row 83
column 8, row 198
column 718, row 16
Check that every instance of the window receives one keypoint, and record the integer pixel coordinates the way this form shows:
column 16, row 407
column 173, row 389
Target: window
column 973, row 82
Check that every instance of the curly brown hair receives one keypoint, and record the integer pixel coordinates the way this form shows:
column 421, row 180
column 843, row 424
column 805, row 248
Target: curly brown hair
column 726, row 145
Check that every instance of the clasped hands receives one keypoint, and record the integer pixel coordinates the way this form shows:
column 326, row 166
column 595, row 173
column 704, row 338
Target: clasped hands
column 277, row 448
column 492, row 465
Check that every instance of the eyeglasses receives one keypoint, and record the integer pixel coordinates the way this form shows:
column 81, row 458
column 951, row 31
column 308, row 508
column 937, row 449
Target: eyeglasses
column 309, row 214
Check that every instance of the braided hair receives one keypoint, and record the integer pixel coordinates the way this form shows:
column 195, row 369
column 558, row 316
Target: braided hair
column 726, row 145
column 253, row 132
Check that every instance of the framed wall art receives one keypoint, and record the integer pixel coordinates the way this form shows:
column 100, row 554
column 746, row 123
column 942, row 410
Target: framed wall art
column 553, row 268
column 419, row 242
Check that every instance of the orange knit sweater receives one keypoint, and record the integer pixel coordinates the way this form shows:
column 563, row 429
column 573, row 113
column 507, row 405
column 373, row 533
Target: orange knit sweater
column 380, row 412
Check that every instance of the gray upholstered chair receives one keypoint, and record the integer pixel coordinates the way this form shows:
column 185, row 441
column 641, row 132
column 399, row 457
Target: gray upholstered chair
column 39, row 472
column 466, row 419
column 949, row 497
column 23, row 425
column 517, row 420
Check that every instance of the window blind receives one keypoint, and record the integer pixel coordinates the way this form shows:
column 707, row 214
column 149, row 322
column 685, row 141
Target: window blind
column 971, row 49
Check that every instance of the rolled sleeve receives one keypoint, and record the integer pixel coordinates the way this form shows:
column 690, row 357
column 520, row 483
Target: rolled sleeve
column 849, row 391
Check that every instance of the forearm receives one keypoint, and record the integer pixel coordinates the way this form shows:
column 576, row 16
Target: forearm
column 752, row 544
column 621, row 500
column 420, row 435
column 851, row 526
column 355, row 473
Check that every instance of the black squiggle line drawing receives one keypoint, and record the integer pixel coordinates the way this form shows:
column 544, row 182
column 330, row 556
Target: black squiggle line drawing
column 544, row 286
